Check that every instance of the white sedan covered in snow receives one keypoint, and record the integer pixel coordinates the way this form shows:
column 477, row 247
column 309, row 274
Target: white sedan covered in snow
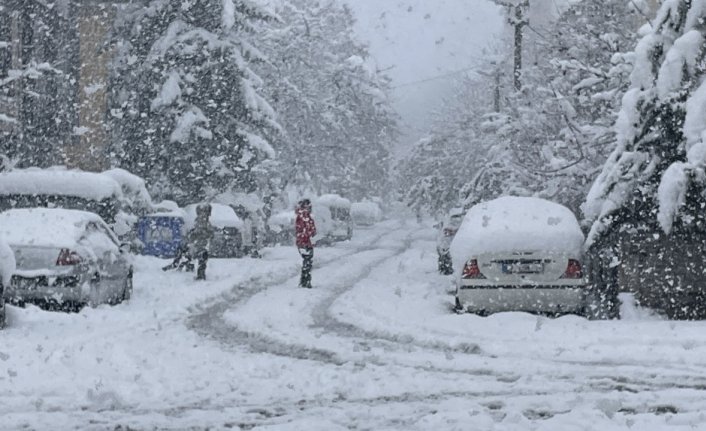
column 65, row 259
column 519, row 254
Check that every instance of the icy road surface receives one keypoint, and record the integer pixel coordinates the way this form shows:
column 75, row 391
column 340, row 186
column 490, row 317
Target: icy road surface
column 373, row 346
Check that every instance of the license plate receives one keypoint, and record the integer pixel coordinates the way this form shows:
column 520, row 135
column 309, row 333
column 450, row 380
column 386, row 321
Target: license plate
column 523, row 268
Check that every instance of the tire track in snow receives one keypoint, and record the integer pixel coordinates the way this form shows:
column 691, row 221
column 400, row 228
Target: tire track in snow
column 208, row 318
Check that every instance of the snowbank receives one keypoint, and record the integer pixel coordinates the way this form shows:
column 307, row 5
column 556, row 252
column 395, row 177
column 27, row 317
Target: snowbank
column 51, row 227
column 282, row 221
column 59, row 182
column 516, row 223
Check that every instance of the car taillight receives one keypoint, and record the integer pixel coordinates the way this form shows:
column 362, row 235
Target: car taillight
column 68, row 257
column 573, row 269
column 449, row 232
column 471, row 270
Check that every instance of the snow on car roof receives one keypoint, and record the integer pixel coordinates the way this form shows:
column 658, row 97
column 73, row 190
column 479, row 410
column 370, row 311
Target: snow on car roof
column 221, row 216
column 333, row 201
column 55, row 227
column 511, row 224
column 131, row 185
column 59, row 182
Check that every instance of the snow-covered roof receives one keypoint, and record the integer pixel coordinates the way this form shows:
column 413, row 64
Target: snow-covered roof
column 511, row 224
column 53, row 227
column 59, row 182
column 132, row 186
column 221, row 216
column 333, row 201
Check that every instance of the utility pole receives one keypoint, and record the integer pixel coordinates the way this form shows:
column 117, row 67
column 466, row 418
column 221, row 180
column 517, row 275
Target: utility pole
column 518, row 19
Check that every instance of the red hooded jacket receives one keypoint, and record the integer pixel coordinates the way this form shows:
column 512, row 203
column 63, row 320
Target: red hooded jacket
column 305, row 228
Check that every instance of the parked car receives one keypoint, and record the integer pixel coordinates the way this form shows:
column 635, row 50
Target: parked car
column 7, row 268
column 227, row 226
column 332, row 214
column 65, row 259
column 365, row 213
column 447, row 232
column 520, row 254
column 61, row 188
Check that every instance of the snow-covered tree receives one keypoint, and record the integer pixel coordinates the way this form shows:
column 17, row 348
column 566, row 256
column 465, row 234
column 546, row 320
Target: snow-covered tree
column 186, row 110
column 38, row 106
column 332, row 104
column 647, row 205
column 655, row 175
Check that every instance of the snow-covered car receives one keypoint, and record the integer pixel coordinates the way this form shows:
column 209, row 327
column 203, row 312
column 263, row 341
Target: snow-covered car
column 365, row 213
column 520, row 254
column 59, row 187
column 447, row 232
column 7, row 268
column 332, row 214
column 65, row 258
column 227, row 227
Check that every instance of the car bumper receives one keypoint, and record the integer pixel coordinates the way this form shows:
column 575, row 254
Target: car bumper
column 46, row 288
column 540, row 299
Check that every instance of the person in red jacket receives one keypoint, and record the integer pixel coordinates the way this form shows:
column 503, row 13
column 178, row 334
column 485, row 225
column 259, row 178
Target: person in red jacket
column 305, row 229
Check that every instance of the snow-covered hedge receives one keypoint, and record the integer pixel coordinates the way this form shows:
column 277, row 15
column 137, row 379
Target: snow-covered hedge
column 365, row 213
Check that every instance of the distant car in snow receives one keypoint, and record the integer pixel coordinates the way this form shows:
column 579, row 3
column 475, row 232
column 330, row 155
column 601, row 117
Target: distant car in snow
column 7, row 268
column 520, row 254
column 65, row 259
column 365, row 213
column 447, row 231
column 332, row 215
column 227, row 228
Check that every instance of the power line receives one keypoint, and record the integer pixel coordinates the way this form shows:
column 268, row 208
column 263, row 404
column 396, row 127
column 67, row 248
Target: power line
column 435, row 78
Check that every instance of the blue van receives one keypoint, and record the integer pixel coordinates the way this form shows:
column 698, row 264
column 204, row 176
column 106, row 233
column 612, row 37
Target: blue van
column 161, row 235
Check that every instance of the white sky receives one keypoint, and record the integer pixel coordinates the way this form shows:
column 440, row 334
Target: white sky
column 422, row 39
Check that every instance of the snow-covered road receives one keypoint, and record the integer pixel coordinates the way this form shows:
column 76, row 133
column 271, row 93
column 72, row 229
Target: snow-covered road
column 373, row 346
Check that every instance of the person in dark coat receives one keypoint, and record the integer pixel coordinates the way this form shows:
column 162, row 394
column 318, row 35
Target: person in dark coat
column 305, row 230
column 200, row 238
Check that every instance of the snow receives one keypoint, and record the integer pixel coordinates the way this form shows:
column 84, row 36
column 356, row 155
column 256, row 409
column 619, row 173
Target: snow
column 50, row 227
column 373, row 346
column 228, row 14
column 511, row 223
column 133, row 187
column 671, row 194
column 60, row 182
column 681, row 60
column 695, row 120
column 333, row 201
column 365, row 213
column 7, row 262
column 170, row 92
column 188, row 123
column 222, row 216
